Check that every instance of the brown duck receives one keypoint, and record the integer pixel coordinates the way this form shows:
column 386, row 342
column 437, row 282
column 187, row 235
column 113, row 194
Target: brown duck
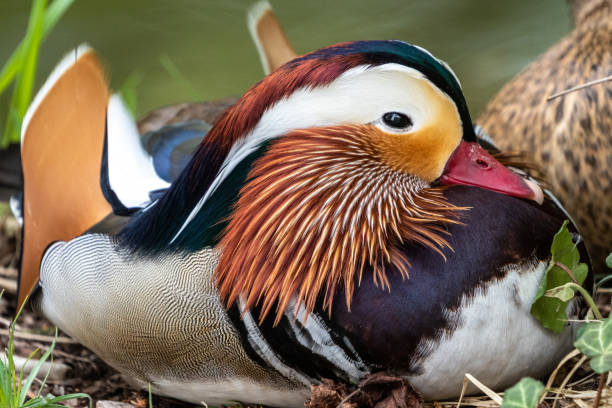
column 569, row 137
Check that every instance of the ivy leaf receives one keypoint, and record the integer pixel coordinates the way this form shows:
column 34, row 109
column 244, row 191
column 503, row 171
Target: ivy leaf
column 563, row 293
column 524, row 394
column 594, row 339
column 549, row 305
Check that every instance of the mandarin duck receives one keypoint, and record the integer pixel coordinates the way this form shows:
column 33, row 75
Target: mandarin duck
column 570, row 136
column 342, row 218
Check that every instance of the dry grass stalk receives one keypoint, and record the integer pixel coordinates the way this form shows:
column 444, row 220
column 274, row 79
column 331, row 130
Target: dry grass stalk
column 8, row 285
column 569, row 375
column 579, row 87
column 38, row 337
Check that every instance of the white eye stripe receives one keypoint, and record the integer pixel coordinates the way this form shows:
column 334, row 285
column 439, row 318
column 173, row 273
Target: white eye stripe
column 360, row 95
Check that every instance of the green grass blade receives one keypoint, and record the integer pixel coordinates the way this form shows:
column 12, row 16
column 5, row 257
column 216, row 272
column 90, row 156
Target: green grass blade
column 25, row 80
column 32, row 354
column 21, row 66
column 5, row 383
column 11, row 363
column 13, row 387
column 55, row 11
column 42, row 402
column 44, row 381
column 69, row 397
column 10, row 69
column 175, row 73
column 150, row 397
column 35, row 369
column 128, row 91
column 22, row 91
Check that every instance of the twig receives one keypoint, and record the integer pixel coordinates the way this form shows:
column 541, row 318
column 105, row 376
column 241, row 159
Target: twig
column 9, row 285
column 8, row 272
column 579, row 87
column 57, row 371
column 465, row 384
column 6, row 322
column 566, row 269
column 486, row 390
column 582, row 380
column 348, row 397
column 602, row 381
column 604, row 290
column 67, row 356
column 38, row 337
column 551, row 379
column 567, row 378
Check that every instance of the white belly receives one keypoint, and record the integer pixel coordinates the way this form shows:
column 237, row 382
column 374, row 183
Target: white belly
column 491, row 330
column 223, row 392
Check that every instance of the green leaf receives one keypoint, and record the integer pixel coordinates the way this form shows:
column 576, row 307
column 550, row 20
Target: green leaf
column 563, row 249
column 524, row 394
column 609, row 261
column 563, row 293
column 594, row 339
column 549, row 306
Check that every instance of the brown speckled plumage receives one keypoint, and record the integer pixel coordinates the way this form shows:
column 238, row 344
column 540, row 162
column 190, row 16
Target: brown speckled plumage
column 570, row 137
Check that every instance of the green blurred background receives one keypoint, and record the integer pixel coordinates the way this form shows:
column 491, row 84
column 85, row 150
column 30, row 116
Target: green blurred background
column 207, row 41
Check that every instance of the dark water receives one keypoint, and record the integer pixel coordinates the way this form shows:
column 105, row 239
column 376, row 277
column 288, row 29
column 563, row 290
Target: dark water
column 486, row 42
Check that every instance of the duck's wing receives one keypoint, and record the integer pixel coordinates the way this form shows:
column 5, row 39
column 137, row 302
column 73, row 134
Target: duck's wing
column 207, row 112
column 82, row 160
column 172, row 146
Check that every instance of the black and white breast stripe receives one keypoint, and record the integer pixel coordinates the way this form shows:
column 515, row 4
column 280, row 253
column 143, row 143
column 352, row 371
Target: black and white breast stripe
column 302, row 349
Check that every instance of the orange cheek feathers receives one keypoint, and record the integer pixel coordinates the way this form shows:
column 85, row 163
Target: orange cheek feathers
column 423, row 153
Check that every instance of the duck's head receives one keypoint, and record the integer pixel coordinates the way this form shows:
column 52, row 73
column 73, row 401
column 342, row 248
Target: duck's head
column 356, row 138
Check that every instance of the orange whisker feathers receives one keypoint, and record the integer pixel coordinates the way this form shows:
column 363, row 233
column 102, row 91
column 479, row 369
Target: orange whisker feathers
column 317, row 209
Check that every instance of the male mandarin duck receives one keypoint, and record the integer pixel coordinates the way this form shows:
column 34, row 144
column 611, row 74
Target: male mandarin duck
column 569, row 137
column 340, row 219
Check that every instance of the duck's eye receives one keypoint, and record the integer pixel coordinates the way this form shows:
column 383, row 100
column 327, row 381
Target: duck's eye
column 397, row 120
